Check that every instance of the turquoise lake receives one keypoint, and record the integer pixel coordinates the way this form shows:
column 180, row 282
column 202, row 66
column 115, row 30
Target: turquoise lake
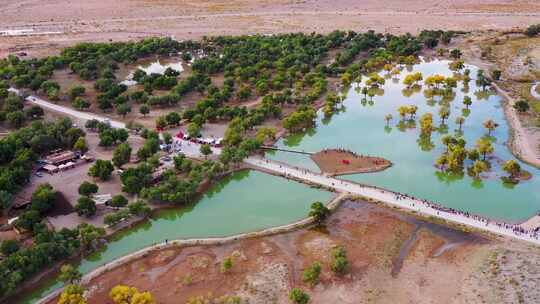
column 361, row 127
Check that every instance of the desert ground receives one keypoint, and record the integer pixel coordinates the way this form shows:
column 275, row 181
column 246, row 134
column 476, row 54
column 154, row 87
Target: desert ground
column 394, row 258
column 69, row 22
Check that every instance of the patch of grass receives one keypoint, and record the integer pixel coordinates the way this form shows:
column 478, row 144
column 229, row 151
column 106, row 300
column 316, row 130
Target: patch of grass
column 187, row 280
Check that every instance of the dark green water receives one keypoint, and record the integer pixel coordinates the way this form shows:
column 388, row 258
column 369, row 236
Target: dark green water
column 245, row 201
column 362, row 128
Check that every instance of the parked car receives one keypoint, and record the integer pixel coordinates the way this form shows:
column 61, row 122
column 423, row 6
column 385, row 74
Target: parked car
column 39, row 174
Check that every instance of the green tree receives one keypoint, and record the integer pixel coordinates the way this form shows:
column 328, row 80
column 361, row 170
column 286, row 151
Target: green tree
column 496, row 74
column 69, row 274
column 16, row 119
column 311, row 274
column 467, row 101
column 442, row 161
column 80, row 103
column 173, row 118
column 167, row 137
column 478, row 167
column 121, row 155
column 28, row 220
column 9, row 246
column 194, row 129
column 89, row 234
column 80, row 145
column 144, row 109
column 6, row 199
column 123, row 109
column 76, row 91
column 521, row 106
column 227, row 264
column 119, row 201
column 87, row 188
column 444, row 112
column 340, row 264
column 43, row 198
column 298, row 296
column 532, row 30
column 484, row 147
column 473, row 154
column 139, row 208
column 455, row 53
column 205, row 150
column 512, row 167
column 319, row 212
column 85, row 206
column 102, row 169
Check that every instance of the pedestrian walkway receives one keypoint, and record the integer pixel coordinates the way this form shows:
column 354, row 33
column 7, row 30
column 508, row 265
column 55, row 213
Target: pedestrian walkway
column 401, row 200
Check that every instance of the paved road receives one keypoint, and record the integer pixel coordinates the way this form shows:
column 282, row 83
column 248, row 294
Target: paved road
column 70, row 112
column 392, row 198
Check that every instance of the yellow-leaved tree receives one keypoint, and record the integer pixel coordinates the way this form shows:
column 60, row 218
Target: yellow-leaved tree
column 72, row 294
column 122, row 294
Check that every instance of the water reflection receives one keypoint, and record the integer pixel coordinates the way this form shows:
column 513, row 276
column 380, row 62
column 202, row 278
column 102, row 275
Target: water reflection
column 414, row 156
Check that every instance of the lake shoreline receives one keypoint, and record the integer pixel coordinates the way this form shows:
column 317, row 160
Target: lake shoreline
column 110, row 233
column 305, row 222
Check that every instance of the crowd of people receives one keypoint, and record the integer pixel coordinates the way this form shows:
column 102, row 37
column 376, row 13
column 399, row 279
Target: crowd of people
column 514, row 228
column 440, row 210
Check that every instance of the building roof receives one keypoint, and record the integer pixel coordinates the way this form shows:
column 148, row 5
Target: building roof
column 50, row 167
column 60, row 157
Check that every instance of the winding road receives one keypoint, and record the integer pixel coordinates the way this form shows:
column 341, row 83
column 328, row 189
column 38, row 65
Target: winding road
column 85, row 116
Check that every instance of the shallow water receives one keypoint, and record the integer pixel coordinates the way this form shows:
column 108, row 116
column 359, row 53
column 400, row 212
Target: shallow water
column 361, row 128
column 154, row 67
column 245, row 201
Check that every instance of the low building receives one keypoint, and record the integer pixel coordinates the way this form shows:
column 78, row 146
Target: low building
column 66, row 166
column 50, row 168
column 60, row 157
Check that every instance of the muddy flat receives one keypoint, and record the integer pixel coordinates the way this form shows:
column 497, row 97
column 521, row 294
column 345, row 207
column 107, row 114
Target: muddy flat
column 394, row 258
column 341, row 162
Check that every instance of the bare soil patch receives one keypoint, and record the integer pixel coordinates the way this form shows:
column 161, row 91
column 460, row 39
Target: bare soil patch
column 102, row 20
column 438, row 266
column 340, row 162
